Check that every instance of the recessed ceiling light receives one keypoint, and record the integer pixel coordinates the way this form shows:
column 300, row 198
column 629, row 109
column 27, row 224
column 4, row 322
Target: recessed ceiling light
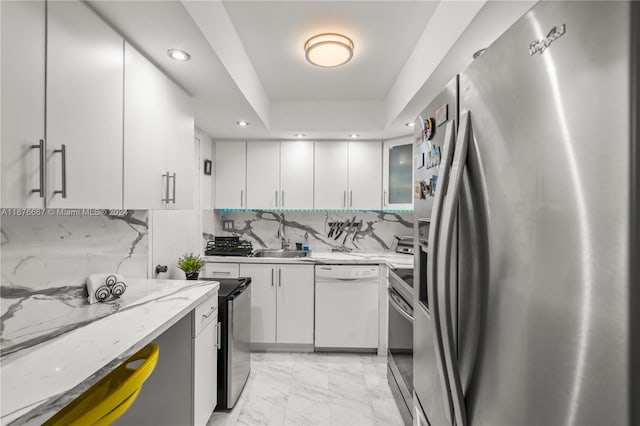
column 409, row 124
column 242, row 123
column 328, row 50
column 354, row 135
column 178, row 55
column 300, row 135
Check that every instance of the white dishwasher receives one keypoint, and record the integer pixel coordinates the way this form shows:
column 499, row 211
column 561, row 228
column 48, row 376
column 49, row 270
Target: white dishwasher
column 346, row 307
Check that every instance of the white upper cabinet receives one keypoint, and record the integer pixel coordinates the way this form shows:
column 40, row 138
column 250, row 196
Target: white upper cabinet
column 181, row 164
column 84, row 108
column 23, row 94
column 145, row 165
column 397, row 174
column 158, row 138
column 230, row 172
column 330, row 175
column 365, row 175
column 263, row 175
column 296, row 175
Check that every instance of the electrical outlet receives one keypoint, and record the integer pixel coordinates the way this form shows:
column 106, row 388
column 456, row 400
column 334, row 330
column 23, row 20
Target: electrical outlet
column 227, row 225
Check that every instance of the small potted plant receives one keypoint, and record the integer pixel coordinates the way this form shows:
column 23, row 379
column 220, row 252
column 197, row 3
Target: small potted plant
column 191, row 264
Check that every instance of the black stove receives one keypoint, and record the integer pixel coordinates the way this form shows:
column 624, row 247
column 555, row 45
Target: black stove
column 228, row 246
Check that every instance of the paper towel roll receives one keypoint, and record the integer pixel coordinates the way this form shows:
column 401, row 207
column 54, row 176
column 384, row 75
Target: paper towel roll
column 103, row 287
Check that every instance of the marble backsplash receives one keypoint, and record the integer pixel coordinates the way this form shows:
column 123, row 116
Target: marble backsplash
column 369, row 231
column 53, row 251
column 45, row 262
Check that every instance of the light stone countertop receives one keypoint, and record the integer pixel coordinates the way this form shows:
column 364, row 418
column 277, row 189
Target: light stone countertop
column 55, row 345
column 391, row 259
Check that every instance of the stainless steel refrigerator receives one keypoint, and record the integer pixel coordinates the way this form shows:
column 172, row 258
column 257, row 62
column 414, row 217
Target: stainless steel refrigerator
column 527, row 212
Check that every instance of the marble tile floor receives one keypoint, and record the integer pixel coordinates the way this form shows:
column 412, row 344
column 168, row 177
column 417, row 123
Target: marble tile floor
column 322, row 389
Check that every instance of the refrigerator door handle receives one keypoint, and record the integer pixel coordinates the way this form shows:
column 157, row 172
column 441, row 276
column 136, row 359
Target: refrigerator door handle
column 445, row 281
column 432, row 253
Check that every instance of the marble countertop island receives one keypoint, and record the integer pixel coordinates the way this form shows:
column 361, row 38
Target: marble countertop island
column 391, row 259
column 55, row 345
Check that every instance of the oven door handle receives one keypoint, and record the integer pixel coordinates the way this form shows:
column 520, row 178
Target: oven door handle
column 396, row 305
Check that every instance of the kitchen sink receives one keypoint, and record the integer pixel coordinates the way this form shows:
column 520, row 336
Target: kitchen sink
column 280, row 253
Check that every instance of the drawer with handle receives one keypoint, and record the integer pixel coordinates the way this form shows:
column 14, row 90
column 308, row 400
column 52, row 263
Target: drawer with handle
column 204, row 313
column 221, row 270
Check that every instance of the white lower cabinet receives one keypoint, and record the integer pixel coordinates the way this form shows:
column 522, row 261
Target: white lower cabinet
column 205, row 368
column 221, row 270
column 182, row 390
column 281, row 303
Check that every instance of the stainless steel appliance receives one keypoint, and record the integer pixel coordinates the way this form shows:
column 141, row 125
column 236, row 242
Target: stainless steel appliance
column 400, row 338
column 234, row 361
column 530, row 268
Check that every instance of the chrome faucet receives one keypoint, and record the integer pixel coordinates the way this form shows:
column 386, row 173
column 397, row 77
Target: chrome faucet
column 284, row 243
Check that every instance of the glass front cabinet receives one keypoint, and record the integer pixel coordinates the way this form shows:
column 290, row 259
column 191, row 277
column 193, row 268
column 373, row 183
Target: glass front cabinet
column 397, row 176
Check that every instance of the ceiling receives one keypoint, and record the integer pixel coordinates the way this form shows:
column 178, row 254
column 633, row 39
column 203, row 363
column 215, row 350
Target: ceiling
column 247, row 61
column 274, row 32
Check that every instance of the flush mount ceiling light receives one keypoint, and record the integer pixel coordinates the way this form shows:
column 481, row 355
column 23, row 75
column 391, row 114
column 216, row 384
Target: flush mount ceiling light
column 328, row 50
column 409, row 123
column 354, row 135
column 300, row 135
column 242, row 123
column 178, row 55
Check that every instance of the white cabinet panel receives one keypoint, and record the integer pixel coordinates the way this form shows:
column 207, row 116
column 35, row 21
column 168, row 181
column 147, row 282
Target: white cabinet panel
column 23, row 94
column 263, row 301
column 180, row 148
column 84, row 107
column 221, row 270
column 365, row 175
column 205, row 372
column 330, row 175
column 145, row 118
column 295, row 304
column 263, row 175
column 230, row 170
column 397, row 174
column 158, row 138
column 296, row 175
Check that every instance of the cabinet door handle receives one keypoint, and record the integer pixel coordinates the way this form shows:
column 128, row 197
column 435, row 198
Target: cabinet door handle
column 279, row 277
column 272, row 278
column 173, row 199
column 350, row 198
column 276, row 198
column 218, row 335
column 344, row 199
column 165, row 177
column 384, row 198
column 242, row 198
column 220, row 272
column 282, row 199
column 42, row 146
column 63, row 157
column 213, row 308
